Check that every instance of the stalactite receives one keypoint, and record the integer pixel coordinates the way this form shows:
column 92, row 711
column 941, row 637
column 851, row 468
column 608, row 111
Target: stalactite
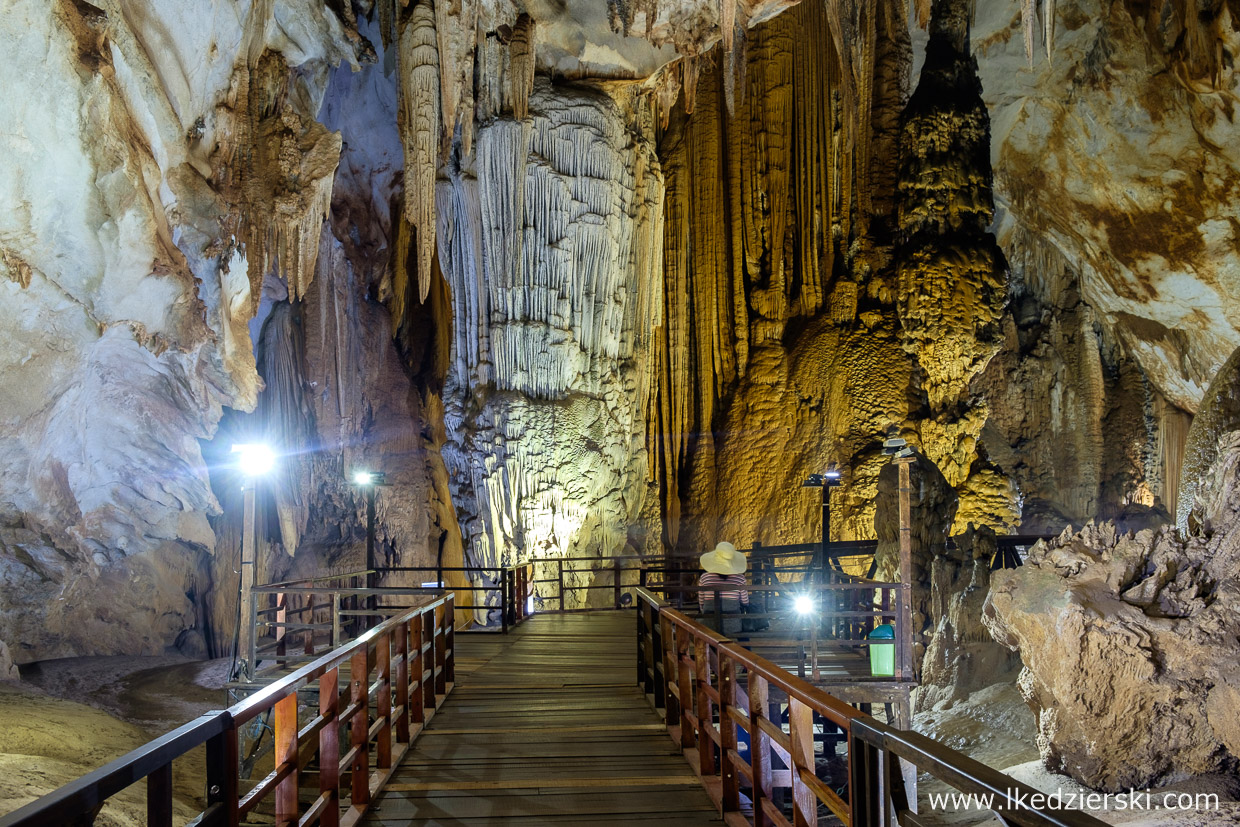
column 690, row 68
column 1048, row 26
column 388, row 15
column 521, row 65
column 667, row 92
column 923, row 12
column 286, row 182
column 1028, row 21
column 420, row 127
column 456, row 26
column 727, row 23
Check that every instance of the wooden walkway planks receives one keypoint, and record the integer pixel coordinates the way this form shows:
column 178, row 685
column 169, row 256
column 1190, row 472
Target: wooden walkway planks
column 546, row 725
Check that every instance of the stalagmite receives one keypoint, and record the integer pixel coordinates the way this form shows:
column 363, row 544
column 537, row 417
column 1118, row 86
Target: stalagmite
column 420, row 127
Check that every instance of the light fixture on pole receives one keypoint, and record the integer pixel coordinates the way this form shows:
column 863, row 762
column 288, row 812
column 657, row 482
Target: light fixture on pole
column 370, row 481
column 826, row 481
column 254, row 460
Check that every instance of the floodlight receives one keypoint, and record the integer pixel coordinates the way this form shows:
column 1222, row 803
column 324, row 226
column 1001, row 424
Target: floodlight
column 803, row 605
column 363, row 478
column 529, row 605
column 256, row 459
column 832, row 474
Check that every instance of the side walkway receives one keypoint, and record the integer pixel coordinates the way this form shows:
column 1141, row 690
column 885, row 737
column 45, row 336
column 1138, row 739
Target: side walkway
column 546, row 725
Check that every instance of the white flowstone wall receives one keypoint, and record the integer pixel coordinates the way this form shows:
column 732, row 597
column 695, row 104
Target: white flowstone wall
column 551, row 245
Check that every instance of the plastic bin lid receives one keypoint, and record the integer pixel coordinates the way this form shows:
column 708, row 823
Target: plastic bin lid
column 884, row 632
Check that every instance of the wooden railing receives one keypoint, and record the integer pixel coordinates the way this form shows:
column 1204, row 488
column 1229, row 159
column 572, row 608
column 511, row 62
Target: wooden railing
column 394, row 677
column 716, row 695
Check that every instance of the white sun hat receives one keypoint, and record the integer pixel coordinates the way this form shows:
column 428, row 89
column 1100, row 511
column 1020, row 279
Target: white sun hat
column 725, row 559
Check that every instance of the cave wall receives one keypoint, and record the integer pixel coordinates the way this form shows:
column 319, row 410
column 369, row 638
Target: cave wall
column 1117, row 149
column 125, row 311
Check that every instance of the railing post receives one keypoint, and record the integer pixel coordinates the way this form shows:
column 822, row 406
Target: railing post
column 401, row 682
column 441, row 652
column 657, row 657
column 643, row 673
column 383, row 701
column 684, row 685
column 159, row 797
column 671, row 672
column 615, row 582
column 417, row 670
column 449, row 620
column 281, row 619
column 801, row 736
column 337, row 599
column 223, row 765
column 359, row 726
column 285, row 740
column 731, row 802
column 504, row 601
column 706, row 744
column 429, row 644
column 759, row 748
column 560, row 577
column 329, row 746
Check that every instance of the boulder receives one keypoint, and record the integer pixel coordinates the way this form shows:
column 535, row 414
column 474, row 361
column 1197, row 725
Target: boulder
column 1130, row 650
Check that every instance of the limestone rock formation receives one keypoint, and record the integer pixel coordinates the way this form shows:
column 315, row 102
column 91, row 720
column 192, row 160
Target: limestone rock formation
column 1118, row 150
column 1208, row 450
column 549, row 241
column 961, row 657
column 1127, row 644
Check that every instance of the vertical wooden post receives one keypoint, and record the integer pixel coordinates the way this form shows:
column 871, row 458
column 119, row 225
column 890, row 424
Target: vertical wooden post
column 337, row 599
column 449, row 633
column 759, row 747
column 329, row 746
column 671, row 707
column 309, row 632
column 801, row 726
column 417, row 666
column 684, row 685
column 727, row 733
column 401, row 682
column 505, row 599
column 383, row 701
column 359, row 727
column 615, row 582
column 706, row 744
column 223, row 763
column 643, row 674
column 905, row 630
column 441, row 652
column 245, row 644
column 560, row 576
column 657, row 689
column 285, row 740
column 159, row 797
column 428, row 657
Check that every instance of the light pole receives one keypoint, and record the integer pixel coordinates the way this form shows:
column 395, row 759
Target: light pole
column 254, row 460
column 370, row 482
column 825, row 481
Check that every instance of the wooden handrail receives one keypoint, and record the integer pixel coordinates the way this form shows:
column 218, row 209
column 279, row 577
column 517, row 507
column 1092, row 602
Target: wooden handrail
column 414, row 664
column 692, row 674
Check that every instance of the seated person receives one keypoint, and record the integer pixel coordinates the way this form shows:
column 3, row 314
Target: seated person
column 724, row 570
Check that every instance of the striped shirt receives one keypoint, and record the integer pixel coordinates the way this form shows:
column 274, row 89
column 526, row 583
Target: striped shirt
column 710, row 580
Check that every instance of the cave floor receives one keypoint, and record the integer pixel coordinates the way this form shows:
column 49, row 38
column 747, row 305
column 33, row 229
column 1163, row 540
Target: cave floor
column 546, row 725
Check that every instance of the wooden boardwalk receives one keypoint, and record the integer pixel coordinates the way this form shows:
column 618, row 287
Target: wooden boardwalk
column 546, row 725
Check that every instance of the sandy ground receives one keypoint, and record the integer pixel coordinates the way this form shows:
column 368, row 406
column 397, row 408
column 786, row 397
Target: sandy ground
column 68, row 717
column 995, row 726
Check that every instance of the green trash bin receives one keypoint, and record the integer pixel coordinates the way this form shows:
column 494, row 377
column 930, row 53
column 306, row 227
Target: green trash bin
column 883, row 655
